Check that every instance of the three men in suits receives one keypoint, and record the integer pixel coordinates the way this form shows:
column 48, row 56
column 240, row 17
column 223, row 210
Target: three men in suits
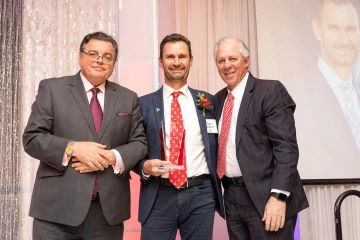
column 328, row 95
column 258, row 152
column 81, row 124
column 172, row 199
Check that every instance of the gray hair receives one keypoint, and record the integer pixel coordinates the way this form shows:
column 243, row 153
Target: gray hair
column 243, row 49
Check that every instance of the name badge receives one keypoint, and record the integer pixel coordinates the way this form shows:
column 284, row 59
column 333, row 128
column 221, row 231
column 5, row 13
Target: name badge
column 211, row 126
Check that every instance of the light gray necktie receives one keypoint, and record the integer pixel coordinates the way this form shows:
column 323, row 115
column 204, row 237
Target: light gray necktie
column 351, row 116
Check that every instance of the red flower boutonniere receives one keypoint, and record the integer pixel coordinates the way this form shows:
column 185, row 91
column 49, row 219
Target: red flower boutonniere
column 203, row 102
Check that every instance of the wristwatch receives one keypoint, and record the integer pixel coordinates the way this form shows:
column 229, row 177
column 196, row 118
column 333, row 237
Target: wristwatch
column 280, row 196
column 69, row 150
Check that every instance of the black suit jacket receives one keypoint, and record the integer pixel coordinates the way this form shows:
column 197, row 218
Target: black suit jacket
column 62, row 113
column 267, row 150
column 152, row 106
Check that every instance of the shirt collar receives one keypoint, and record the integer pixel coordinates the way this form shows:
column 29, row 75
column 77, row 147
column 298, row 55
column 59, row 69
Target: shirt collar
column 167, row 90
column 330, row 75
column 239, row 89
column 88, row 86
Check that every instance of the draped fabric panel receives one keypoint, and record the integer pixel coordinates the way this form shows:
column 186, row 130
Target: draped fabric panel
column 318, row 222
column 205, row 22
column 52, row 33
column 10, row 79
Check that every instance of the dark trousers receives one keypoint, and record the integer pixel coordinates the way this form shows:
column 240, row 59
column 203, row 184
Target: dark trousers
column 191, row 210
column 244, row 222
column 94, row 227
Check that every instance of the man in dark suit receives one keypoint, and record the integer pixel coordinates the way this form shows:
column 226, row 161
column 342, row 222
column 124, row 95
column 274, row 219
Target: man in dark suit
column 258, row 153
column 165, row 205
column 89, row 123
column 328, row 95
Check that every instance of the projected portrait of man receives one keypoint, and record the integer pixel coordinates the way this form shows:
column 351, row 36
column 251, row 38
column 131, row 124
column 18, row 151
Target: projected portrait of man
column 327, row 97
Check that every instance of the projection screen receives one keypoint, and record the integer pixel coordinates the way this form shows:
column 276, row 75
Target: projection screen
column 312, row 47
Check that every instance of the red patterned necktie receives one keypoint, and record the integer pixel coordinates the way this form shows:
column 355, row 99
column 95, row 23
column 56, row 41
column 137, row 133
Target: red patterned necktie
column 177, row 177
column 224, row 135
column 97, row 115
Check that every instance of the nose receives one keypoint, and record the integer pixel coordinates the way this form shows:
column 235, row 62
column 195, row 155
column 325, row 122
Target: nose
column 176, row 61
column 100, row 57
column 227, row 64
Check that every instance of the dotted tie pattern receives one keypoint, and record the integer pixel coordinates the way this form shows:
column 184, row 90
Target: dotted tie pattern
column 177, row 177
column 224, row 135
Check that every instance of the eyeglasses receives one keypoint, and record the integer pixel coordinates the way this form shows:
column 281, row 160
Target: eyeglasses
column 95, row 56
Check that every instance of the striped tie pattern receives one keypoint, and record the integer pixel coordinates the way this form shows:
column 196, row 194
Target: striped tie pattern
column 351, row 116
column 224, row 135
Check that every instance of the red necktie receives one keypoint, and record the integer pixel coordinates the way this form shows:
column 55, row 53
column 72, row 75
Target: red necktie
column 177, row 177
column 97, row 115
column 224, row 135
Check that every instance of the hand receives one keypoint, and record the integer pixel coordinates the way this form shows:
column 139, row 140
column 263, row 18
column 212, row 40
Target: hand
column 81, row 167
column 274, row 214
column 91, row 154
column 151, row 167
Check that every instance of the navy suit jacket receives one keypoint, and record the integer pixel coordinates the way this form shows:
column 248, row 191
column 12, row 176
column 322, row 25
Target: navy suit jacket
column 152, row 107
column 267, row 150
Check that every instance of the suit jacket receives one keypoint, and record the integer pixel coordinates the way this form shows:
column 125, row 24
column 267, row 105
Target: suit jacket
column 267, row 151
column 324, row 134
column 62, row 113
column 152, row 124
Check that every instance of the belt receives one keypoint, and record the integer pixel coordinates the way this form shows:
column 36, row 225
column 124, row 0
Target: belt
column 95, row 196
column 191, row 181
column 237, row 181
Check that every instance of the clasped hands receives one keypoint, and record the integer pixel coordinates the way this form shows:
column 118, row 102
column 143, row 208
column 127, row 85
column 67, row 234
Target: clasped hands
column 91, row 156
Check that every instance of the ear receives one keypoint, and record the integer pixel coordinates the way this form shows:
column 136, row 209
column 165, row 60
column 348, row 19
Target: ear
column 316, row 29
column 191, row 61
column 160, row 63
column 79, row 58
column 247, row 61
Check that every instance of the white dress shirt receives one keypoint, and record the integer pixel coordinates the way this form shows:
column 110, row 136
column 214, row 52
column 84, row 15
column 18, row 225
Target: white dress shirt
column 194, row 146
column 335, row 82
column 232, row 164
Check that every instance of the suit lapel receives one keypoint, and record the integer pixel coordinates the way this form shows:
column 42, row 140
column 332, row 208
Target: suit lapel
column 158, row 106
column 243, row 109
column 203, row 128
column 109, row 104
column 221, row 101
column 77, row 90
column 327, row 100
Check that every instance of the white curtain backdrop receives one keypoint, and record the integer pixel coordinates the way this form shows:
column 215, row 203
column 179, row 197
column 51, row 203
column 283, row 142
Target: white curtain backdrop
column 318, row 222
column 205, row 22
column 52, row 33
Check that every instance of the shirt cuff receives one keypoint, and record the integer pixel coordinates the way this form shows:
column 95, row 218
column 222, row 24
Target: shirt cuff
column 281, row 191
column 65, row 161
column 119, row 166
column 145, row 175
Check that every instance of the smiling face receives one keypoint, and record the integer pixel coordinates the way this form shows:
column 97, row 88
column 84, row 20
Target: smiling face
column 175, row 62
column 337, row 29
column 96, row 71
column 230, row 64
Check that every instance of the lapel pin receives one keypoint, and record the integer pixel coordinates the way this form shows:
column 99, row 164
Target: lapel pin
column 157, row 109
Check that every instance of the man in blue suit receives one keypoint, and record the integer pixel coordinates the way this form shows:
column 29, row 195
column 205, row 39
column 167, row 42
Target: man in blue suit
column 165, row 205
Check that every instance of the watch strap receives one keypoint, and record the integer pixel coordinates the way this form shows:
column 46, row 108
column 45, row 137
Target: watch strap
column 280, row 196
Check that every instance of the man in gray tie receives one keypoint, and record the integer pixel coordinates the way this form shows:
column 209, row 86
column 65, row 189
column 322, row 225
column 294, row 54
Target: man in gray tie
column 87, row 133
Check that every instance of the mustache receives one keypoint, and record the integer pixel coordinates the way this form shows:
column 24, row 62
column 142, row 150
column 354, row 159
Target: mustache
column 346, row 46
